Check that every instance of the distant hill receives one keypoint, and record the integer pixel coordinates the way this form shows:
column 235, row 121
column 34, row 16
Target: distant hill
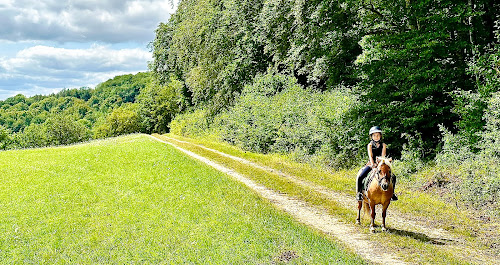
column 72, row 115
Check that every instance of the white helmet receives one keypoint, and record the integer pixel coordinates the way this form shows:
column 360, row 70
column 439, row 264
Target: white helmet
column 375, row 129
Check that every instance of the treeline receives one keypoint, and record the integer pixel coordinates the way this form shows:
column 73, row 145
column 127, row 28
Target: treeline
column 73, row 115
column 309, row 78
column 412, row 67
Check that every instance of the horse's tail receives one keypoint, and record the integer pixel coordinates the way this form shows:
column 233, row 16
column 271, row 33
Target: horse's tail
column 366, row 207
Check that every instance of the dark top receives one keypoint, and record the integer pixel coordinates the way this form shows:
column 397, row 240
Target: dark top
column 377, row 151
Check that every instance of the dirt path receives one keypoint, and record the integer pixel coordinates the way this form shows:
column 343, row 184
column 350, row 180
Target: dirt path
column 319, row 219
column 308, row 215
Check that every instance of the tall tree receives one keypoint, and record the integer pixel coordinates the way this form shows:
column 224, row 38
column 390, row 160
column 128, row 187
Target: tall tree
column 414, row 56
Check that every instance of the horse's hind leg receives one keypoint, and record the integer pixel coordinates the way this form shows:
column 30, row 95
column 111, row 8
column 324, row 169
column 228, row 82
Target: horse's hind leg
column 358, row 219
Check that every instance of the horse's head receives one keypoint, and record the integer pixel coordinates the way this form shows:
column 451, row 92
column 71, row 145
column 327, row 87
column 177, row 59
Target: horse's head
column 384, row 169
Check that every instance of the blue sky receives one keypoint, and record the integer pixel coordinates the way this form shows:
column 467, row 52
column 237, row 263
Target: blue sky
column 49, row 45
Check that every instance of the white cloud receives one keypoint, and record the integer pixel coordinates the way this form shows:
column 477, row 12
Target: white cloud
column 82, row 20
column 44, row 69
column 48, row 45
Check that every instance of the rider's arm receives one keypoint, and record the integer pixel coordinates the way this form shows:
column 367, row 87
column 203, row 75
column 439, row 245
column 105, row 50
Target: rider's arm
column 370, row 155
column 384, row 150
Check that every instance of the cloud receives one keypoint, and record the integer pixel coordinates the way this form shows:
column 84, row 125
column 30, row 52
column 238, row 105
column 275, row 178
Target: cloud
column 48, row 45
column 44, row 69
column 82, row 20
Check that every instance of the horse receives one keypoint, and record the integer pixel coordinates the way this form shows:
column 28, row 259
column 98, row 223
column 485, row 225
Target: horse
column 379, row 191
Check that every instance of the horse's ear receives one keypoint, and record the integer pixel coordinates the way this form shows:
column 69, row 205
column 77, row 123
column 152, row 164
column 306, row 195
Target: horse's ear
column 390, row 159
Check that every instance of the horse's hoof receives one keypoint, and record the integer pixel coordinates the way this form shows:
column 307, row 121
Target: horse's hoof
column 372, row 229
column 384, row 229
column 358, row 222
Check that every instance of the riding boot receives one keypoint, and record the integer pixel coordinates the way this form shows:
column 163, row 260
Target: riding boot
column 394, row 197
column 359, row 183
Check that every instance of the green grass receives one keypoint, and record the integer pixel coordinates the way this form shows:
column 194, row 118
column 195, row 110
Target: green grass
column 135, row 200
column 412, row 247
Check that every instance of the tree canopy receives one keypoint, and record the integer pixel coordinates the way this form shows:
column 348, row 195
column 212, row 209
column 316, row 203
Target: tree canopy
column 409, row 61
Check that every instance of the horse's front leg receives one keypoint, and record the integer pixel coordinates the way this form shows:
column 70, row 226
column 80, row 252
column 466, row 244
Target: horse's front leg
column 384, row 214
column 372, row 225
column 358, row 219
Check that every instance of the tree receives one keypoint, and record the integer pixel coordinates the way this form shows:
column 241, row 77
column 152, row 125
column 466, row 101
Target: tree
column 123, row 120
column 158, row 104
column 414, row 57
column 316, row 41
column 62, row 130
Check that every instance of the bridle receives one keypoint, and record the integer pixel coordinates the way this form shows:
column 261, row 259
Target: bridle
column 379, row 179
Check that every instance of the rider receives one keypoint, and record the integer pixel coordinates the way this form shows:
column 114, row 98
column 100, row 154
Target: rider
column 376, row 147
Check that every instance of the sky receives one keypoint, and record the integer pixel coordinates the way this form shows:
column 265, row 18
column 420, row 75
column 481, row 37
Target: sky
column 50, row 45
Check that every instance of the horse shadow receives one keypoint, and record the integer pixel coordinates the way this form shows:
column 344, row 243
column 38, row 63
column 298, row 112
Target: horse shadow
column 420, row 237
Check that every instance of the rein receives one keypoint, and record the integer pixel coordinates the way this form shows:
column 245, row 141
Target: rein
column 376, row 171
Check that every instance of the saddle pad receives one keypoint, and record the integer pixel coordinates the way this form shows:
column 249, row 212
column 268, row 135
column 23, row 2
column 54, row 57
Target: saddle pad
column 368, row 179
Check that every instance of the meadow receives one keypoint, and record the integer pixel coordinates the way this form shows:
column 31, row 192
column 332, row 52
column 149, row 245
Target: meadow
column 135, row 200
column 464, row 231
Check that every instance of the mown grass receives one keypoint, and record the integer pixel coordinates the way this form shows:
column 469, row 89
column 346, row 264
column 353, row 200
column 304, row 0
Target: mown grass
column 412, row 245
column 135, row 200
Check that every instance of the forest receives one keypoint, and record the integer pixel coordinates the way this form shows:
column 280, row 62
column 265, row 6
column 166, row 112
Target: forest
column 307, row 79
column 313, row 76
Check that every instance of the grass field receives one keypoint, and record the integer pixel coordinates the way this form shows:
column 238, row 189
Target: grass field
column 134, row 200
column 410, row 244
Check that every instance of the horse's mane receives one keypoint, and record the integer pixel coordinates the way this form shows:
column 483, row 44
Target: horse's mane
column 383, row 160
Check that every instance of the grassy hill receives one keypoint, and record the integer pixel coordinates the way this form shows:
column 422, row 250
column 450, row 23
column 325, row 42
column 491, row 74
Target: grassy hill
column 134, row 200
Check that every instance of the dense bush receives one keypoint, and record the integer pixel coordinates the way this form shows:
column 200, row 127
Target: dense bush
column 275, row 114
column 490, row 144
column 158, row 104
column 123, row 120
column 56, row 130
column 473, row 177
column 192, row 124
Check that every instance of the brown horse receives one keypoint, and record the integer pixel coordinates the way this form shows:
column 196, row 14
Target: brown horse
column 380, row 190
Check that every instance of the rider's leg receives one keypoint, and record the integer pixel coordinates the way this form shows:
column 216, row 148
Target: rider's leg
column 359, row 182
column 394, row 197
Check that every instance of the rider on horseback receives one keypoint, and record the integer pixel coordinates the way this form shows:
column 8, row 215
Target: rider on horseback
column 376, row 147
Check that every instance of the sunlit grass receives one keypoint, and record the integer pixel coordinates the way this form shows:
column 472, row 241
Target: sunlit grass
column 135, row 200
column 411, row 244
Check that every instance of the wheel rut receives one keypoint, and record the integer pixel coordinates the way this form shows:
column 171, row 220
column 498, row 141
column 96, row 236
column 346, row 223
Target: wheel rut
column 319, row 219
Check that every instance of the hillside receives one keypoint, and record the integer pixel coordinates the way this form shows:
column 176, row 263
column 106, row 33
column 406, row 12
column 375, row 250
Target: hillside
column 135, row 200
column 424, row 227
column 73, row 115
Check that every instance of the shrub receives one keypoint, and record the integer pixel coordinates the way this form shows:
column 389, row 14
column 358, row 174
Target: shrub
column 191, row 124
column 34, row 135
column 412, row 157
column 490, row 144
column 275, row 114
column 474, row 177
column 62, row 130
column 160, row 103
column 123, row 120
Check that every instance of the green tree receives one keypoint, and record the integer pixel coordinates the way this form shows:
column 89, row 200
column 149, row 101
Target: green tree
column 35, row 135
column 123, row 120
column 158, row 104
column 62, row 130
column 315, row 41
column 5, row 139
column 414, row 57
